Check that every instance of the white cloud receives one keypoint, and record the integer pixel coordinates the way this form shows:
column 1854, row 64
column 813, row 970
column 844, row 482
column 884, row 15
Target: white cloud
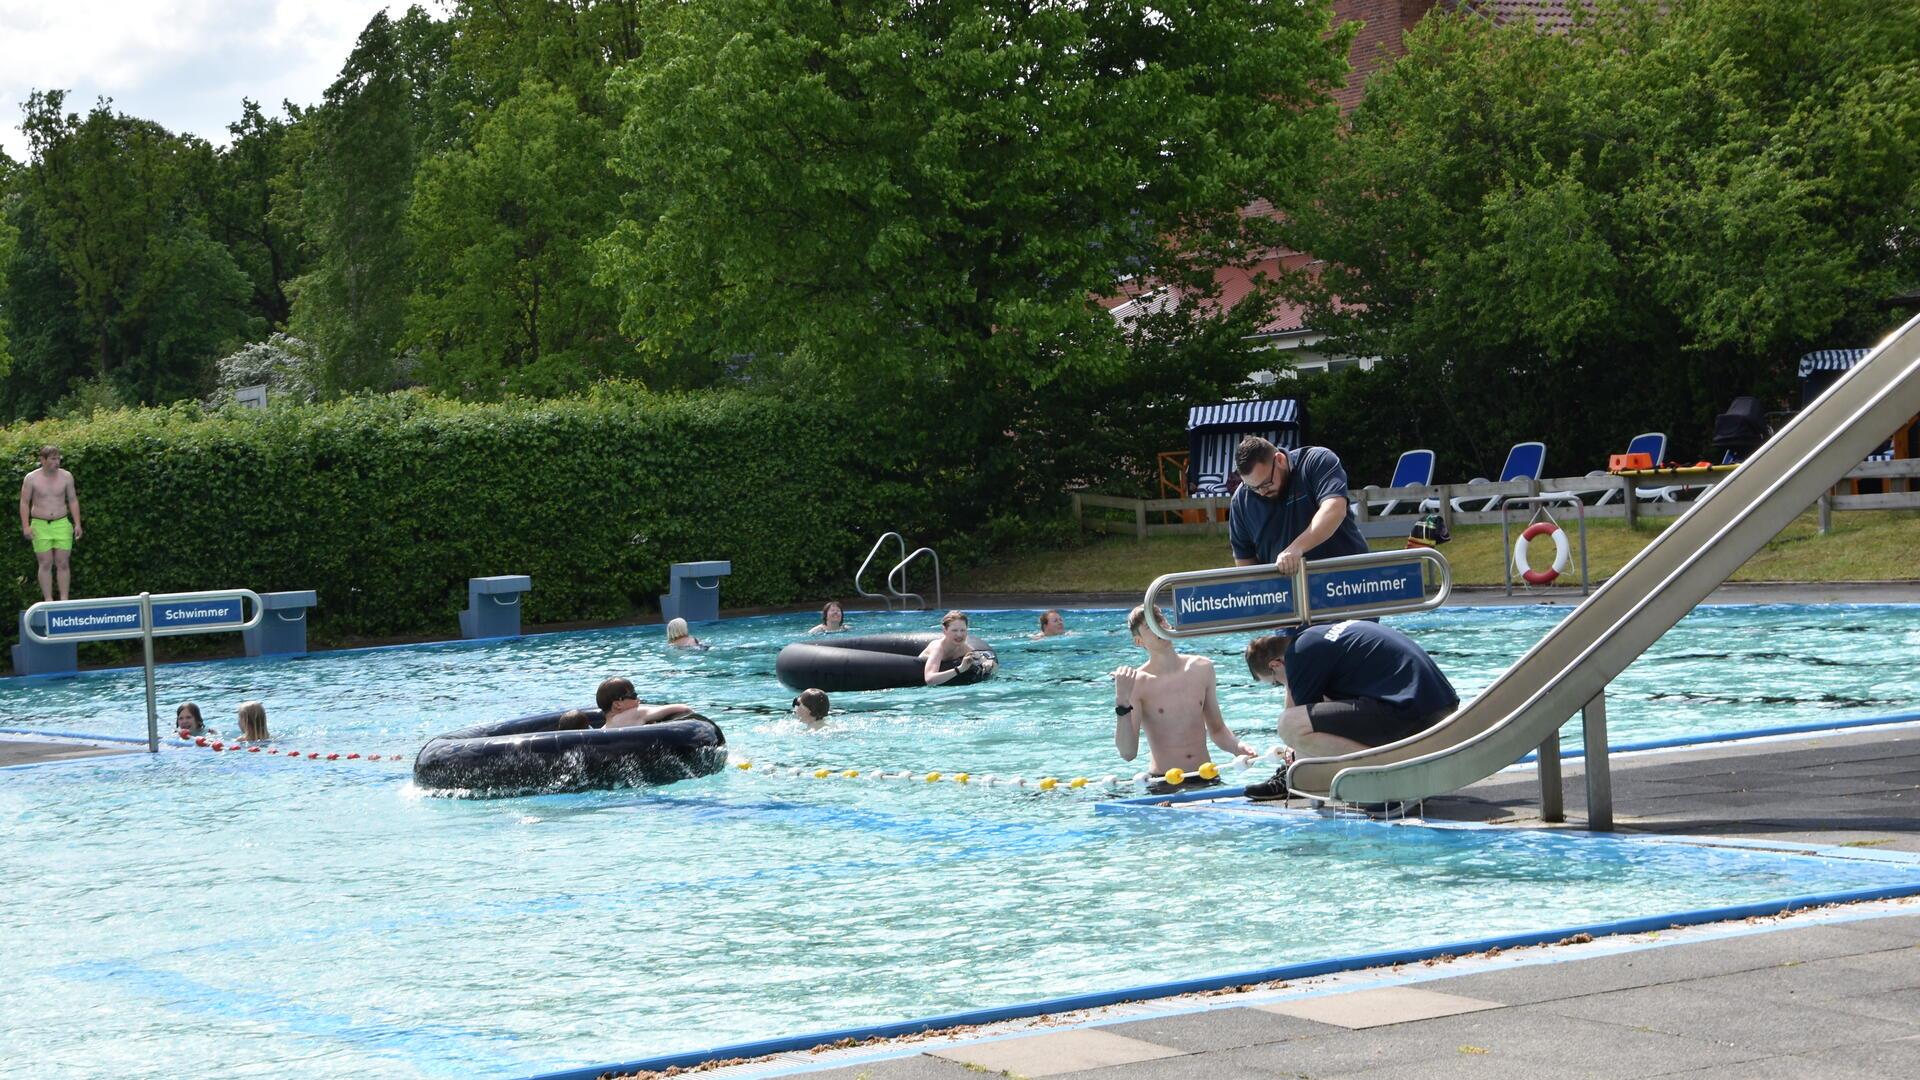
column 184, row 64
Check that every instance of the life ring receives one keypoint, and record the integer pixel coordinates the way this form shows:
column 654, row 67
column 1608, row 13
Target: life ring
column 1560, row 553
column 872, row 662
column 532, row 755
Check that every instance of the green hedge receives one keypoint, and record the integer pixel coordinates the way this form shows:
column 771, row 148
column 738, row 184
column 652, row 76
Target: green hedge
column 386, row 506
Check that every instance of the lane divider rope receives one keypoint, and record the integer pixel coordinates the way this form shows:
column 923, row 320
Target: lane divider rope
column 217, row 746
column 1174, row 777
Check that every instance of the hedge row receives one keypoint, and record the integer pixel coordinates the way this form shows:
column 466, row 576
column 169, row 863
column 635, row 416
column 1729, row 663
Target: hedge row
column 386, row 506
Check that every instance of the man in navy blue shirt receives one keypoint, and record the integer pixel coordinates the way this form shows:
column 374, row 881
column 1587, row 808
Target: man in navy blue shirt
column 1350, row 686
column 1290, row 505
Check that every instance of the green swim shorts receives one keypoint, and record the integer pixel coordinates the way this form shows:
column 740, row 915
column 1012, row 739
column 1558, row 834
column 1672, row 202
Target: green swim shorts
column 51, row 535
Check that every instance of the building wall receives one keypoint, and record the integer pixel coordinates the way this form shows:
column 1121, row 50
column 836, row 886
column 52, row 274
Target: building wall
column 1379, row 41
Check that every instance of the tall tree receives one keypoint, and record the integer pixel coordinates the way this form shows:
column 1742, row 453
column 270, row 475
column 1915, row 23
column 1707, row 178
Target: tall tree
column 500, row 230
column 355, row 184
column 9, row 241
column 920, row 201
column 240, row 211
column 1657, row 210
column 122, row 246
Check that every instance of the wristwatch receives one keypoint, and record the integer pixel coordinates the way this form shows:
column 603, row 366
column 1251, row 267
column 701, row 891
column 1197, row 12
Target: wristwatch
column 1122, row 710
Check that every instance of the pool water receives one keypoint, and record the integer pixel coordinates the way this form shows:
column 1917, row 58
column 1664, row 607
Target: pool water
column 193, row 913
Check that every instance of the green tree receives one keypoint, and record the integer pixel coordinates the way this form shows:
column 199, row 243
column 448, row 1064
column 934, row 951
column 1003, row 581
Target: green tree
column 9, row 240
column 354, row 184
column 920, row 202
column 500, row 234
column 239, row 198
column 1581, row 236
column 114, row 246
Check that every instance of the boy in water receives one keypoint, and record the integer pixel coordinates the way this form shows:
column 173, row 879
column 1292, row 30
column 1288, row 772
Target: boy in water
column 1175, row 700
column 952, row 646
column 810, row 708
column 620, row 706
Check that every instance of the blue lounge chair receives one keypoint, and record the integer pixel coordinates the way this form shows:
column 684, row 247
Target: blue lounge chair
column 1524, row 462
column 1415, row 467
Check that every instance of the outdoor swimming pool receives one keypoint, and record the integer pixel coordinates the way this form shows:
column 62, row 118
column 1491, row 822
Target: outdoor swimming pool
column 194, row 913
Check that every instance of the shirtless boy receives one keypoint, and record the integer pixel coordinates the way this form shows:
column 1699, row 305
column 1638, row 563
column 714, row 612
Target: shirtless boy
column 50, row 520
column 1174, row 699
column 620, row 706
column 952, row 645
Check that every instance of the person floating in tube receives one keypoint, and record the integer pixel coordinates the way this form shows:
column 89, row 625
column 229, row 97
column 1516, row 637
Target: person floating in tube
column 1350, row 686
column 954, row 647
column 1175, row 700
column 620, row 706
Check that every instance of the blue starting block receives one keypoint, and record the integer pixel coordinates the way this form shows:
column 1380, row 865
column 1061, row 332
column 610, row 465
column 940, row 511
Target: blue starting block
column 32, row 657
column 493, row 606
column 694, row 594
column 283, row 624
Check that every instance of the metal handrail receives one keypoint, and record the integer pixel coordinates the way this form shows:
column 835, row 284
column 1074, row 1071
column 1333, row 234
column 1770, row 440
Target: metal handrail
column 857, row 574
column 1506, row 543
column 1303, row 612
column 899, row 570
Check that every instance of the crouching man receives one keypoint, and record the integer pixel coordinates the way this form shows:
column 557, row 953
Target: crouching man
column 1350, row 686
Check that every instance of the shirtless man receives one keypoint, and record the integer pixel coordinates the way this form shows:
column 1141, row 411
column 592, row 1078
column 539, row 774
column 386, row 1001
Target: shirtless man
column 50, row 519
column 620, row 706
column 1175, row 700
column 953, row 644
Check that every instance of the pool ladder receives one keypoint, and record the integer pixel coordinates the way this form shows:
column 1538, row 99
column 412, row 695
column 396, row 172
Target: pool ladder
column 896, row 585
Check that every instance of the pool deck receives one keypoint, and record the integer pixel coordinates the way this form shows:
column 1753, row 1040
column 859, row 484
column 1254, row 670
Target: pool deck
column 28, row 751
column 1833, row 993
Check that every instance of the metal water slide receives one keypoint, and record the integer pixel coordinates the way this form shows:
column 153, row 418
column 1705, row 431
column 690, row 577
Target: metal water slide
column 1571, row 666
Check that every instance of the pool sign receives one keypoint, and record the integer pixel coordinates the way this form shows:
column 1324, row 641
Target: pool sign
column 1337, row 590
column 1236, row 598
column 56, row 622
column 1237, row 601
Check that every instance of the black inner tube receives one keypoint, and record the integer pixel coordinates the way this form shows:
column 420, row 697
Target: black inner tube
column 871, row 662
column 532, row 754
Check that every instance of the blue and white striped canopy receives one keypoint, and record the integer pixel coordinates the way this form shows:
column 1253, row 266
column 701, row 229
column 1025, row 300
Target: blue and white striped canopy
column 1244, row 415
column 1830, row 360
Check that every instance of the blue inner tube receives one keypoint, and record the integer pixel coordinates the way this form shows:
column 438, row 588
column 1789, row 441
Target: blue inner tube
column 836, row 662
column 531, row 754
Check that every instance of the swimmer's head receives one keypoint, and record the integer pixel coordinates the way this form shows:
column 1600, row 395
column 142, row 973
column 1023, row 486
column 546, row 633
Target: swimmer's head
column 188, row 717
column 253, row 720
column 613, row 690
column 573, row 720
column 832, row 615
column 1052, row 623
column 1137, row 623
column 811, row 707
column 677, row 629
column 954, row 625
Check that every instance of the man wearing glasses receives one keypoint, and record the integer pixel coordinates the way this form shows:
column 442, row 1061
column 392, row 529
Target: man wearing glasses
column 1291, row 505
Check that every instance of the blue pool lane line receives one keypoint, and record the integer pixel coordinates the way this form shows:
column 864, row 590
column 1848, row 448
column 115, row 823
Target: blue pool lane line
column 1285, row 973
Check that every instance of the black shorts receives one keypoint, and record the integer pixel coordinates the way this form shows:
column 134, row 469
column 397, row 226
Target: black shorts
column 1193, row 781
column 1369, row 721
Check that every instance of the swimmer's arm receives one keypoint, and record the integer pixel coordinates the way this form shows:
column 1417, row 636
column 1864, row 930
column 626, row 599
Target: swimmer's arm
column 931, row 673
column 1126, row 729
column 1223, row 736
column 654, row 714
column 73, row 503
column 26, row 500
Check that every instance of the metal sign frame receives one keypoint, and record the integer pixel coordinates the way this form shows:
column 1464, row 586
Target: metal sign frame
column 1303, row 613
column 145, row 602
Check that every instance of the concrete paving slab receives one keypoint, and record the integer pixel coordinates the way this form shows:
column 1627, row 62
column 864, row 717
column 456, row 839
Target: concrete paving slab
column 915, row 1067
column 1773, row 1025
column 1891, row 1057
column 1782, row 1068
column 1378, row 1008
column 1219, row 1029
column 1057, row 1052
column 25, row 752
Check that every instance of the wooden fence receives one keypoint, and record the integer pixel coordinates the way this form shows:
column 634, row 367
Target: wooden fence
column 1623, row 504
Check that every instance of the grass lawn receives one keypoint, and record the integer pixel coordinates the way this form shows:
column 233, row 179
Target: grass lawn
column 1865, row 545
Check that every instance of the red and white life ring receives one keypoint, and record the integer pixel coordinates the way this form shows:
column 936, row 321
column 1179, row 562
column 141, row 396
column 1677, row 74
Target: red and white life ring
column 1560, row 553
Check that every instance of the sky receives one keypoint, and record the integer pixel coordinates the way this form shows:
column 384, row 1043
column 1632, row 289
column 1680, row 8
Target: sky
column 184, row 64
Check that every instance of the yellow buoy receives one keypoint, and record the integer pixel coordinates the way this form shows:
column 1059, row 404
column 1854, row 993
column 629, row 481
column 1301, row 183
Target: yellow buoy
column 933, row 778
column 745, row 765
column 1048, row 783
column 961, row 778
column 1078, row 782
column 1209, row 772
column 822, row 774
column 1176, row 777
column 851, row 774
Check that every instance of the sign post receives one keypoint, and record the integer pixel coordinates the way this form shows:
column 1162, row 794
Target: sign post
column 146, row 617
column 1239, row 598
